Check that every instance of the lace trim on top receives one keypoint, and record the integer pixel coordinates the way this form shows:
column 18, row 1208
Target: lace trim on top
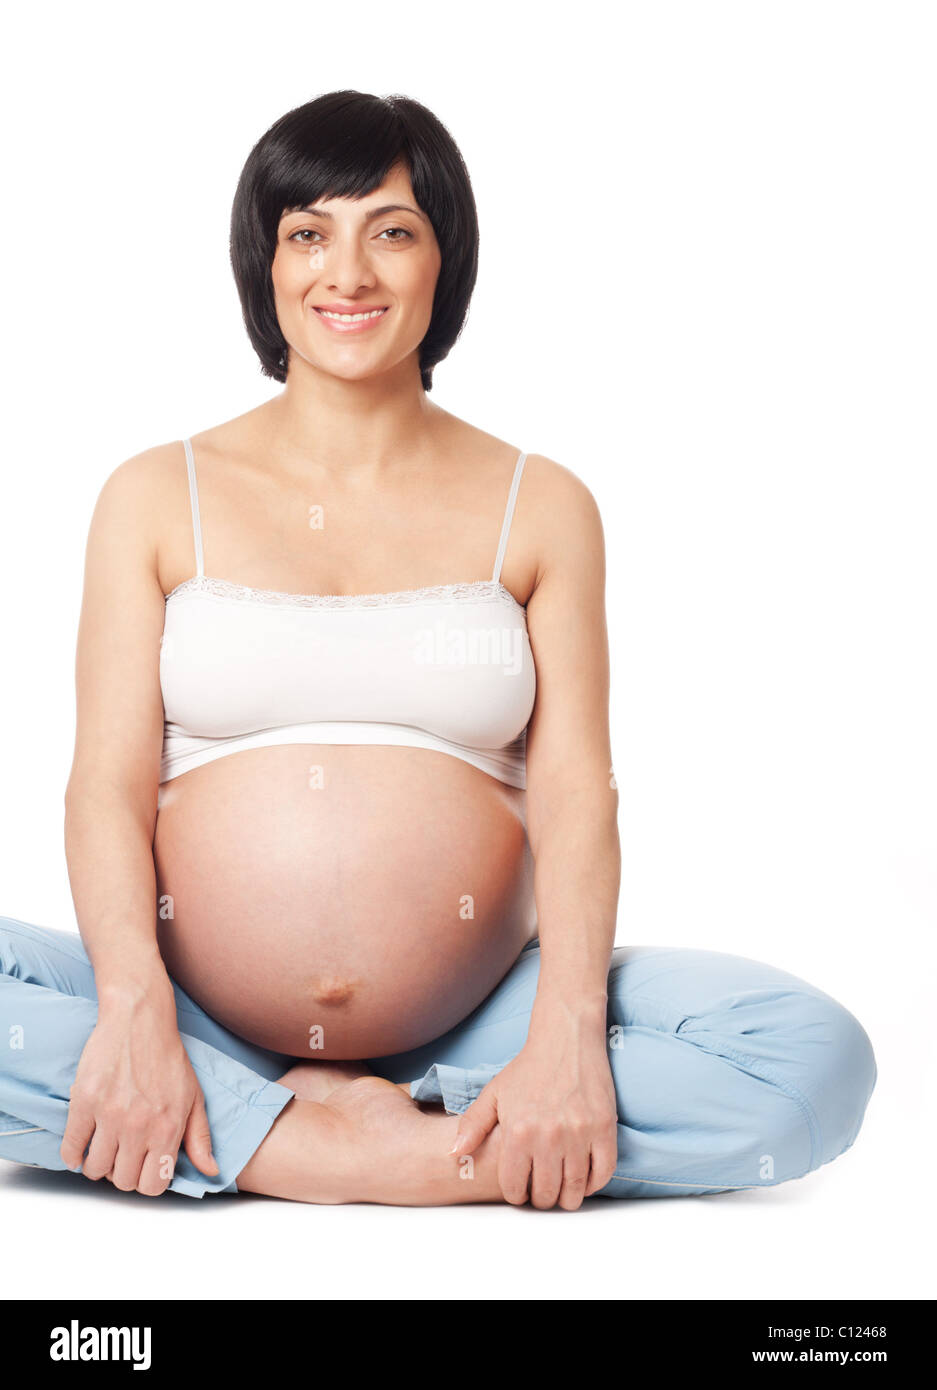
column 486, row 590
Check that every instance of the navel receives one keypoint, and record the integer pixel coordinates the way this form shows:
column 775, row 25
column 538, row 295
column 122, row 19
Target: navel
column 331, row 989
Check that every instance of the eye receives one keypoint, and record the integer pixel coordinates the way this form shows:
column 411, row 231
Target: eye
column 302, row 232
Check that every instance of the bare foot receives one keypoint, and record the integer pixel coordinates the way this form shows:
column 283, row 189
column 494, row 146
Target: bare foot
column 403, row 1150
column 369, row 1142
column 316, row 1080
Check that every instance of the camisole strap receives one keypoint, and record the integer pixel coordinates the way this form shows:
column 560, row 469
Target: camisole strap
column 193, row 498
column 508, row 514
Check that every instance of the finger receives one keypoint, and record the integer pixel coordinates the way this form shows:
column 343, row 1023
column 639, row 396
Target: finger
column 514, row 1173
column 101, row 1153
column 157, row 1172
column 125, row 1172
column 160, row 1164
column 475, row 1124
column 197, row 1139
column 575, row 1180
column 547, row 1179
column 604, row 1163
column 79, row 1127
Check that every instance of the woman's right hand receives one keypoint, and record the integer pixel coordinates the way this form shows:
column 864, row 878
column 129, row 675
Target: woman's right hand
column 135, row 1097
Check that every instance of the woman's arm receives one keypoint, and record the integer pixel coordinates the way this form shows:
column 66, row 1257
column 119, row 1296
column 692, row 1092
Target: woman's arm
column 555, row 1101
column 135, row 1094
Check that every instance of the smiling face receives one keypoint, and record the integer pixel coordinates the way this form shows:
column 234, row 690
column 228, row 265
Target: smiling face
column 354, row 279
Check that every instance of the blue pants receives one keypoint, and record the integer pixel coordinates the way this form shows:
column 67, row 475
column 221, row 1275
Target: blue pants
column 729, row 1073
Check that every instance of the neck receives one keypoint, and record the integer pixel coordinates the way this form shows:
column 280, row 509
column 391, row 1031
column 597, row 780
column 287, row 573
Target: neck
column 362, row 428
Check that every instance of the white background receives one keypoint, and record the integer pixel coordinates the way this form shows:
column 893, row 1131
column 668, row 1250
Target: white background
column 707, row 286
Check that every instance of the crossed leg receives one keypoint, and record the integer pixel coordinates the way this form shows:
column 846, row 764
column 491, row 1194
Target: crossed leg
column 351, row 1136
column 729, row 1073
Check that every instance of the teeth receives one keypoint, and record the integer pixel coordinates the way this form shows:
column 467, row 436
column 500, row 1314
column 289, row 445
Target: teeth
column 351, row 318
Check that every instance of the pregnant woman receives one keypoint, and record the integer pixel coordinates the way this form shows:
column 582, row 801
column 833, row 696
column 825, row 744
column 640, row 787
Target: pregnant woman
column 341, row 821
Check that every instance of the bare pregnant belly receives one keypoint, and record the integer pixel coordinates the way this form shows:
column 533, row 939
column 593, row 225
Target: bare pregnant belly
column 341, row 901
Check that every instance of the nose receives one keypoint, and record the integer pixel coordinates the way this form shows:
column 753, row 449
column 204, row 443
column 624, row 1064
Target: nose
column 346, row 266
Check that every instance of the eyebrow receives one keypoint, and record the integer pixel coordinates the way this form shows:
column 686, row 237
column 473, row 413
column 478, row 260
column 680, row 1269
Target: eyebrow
column 368, row 216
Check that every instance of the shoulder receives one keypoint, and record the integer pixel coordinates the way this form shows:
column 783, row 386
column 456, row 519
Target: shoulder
column 143, row 479
column 558, row 500
column 140, row 492
column 562, row 527
column 546, row 486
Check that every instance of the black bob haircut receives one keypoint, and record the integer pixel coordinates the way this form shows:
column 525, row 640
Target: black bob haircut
column 343, row 145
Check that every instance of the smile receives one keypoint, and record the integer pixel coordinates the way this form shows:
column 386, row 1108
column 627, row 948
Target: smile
column 351, row 323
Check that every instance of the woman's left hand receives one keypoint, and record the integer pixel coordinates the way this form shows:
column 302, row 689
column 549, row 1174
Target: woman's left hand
column 555, row 1103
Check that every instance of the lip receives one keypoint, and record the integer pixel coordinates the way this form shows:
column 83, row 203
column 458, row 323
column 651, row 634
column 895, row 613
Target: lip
column 360, row 327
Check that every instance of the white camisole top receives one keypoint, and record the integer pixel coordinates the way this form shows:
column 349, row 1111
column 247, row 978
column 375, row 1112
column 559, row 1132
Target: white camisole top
column 447, row 668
